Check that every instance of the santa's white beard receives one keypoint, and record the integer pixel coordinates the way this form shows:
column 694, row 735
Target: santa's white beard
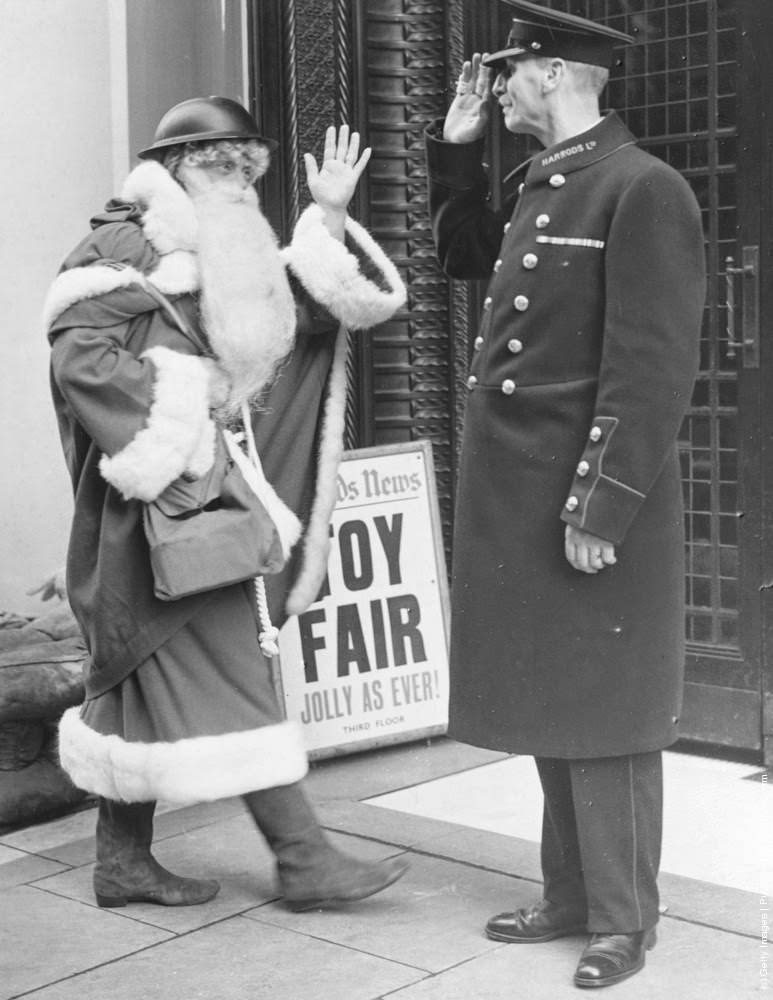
column 246, row 303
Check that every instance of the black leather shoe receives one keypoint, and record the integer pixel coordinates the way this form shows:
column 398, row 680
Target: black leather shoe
column 542, row 921
column 611, row 958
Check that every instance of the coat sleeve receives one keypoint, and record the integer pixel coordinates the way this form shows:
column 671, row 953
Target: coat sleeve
column 353, row 281
column 467, row 231
column 148, row 415
column 655, row 289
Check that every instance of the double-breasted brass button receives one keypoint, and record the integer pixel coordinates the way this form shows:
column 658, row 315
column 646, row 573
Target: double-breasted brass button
column 521, row 303
column 497, row 264
column 478, row 343
column 572, row 503
column 595, row 434
column 543, row 221
column 530, row 261
column 508, row 387
column 507, row 226
column 472, row 382
column 557, row 180
column 515, row 346
column 521, row 186
column 487, row 302
column 583, row 468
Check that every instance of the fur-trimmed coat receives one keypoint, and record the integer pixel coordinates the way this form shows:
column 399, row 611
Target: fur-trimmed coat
column 133, row 398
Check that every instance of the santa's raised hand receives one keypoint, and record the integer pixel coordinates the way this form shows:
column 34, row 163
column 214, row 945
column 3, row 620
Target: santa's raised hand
column 333, row 184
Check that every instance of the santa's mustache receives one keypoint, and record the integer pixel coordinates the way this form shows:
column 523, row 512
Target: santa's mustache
column 246, row 303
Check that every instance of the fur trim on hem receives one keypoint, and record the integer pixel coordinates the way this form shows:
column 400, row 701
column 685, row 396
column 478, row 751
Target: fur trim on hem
column 332, row 275
column 177, row 433
column 316, row 541
column 199, row 769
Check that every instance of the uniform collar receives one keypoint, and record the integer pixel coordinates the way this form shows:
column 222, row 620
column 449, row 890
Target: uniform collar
column 581, row 150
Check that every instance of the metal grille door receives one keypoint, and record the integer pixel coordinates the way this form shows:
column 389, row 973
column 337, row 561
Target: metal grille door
column 677, row 90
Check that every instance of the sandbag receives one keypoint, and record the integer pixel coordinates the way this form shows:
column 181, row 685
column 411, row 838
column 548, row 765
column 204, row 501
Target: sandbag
column 36, row 793
column 21, row 742
column 42, row 679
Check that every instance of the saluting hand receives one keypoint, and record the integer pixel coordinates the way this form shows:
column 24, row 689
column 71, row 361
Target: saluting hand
column 333, row 184
column 587, row 552
column 468, row 115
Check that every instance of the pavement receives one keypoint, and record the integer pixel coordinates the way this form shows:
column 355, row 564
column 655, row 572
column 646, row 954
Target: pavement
column 422, row 939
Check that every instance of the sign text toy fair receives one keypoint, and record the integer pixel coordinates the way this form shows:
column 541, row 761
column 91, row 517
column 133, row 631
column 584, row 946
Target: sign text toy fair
column 367, row 664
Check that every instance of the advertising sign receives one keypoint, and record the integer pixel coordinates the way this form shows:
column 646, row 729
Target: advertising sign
column 367, row 664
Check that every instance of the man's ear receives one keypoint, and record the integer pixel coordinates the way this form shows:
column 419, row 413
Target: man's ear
column 555, row 70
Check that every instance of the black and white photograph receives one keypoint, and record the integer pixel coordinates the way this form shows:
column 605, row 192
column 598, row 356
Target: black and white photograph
column 386, row 546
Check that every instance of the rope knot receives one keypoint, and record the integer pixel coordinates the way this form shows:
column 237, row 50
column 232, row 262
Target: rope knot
column 268, row 640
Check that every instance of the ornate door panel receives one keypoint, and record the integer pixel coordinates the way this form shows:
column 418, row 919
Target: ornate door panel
column 380, row 65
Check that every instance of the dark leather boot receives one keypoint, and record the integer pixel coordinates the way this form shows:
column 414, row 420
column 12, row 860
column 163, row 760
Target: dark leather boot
column 543, row 921
column 126, row 871
column 611, row 958
column 312, row 873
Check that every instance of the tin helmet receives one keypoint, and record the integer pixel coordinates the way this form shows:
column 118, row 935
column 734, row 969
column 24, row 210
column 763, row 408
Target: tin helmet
column 203, row 119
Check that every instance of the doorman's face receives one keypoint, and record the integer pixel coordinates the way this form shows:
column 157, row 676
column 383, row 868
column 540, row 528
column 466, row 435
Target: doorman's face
column 519, row 91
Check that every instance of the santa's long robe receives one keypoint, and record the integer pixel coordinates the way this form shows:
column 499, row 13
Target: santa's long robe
column 132, row 396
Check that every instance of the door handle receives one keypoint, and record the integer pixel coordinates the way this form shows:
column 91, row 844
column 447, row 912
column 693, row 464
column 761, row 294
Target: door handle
column 749, row 344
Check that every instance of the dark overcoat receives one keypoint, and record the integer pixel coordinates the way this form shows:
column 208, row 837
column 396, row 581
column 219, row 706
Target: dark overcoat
column 581, row 375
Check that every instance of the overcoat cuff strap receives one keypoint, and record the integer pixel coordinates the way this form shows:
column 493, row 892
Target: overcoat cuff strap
column 597, row 503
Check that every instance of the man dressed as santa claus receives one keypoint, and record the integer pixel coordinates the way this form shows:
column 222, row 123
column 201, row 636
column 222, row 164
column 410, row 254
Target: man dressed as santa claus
column 180, row 704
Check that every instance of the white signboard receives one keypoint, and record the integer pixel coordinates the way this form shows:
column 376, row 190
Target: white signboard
column 367, row 664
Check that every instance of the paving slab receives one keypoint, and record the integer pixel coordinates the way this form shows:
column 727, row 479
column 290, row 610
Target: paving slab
column 688, row 963
column 392, row 768
column 46, row 938
column 42, row 836
column 232, row 852
column 26, row 868
column 8, row 854
column 510, row 855
column 689, row 899
column 390, row 826
column 171, row 820
column 239, row 959
column 430, row 919
column 717, row 906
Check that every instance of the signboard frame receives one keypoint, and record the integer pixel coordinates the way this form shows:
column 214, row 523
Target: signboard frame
column 423, row 450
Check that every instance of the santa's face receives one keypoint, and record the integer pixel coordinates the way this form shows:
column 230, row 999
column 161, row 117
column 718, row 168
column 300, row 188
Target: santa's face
column 224, row 175
column 246, row 303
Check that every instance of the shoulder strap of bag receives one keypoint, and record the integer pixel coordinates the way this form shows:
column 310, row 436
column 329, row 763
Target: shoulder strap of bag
column 175, row 315
column 268, row 634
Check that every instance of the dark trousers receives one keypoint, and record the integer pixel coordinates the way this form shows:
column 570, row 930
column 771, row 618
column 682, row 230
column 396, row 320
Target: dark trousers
column 601, row 834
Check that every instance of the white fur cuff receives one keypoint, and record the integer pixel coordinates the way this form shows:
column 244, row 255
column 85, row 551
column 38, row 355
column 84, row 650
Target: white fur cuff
column 81, row 283
column 199, row 769
column 179, row 434
column 332, row 275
